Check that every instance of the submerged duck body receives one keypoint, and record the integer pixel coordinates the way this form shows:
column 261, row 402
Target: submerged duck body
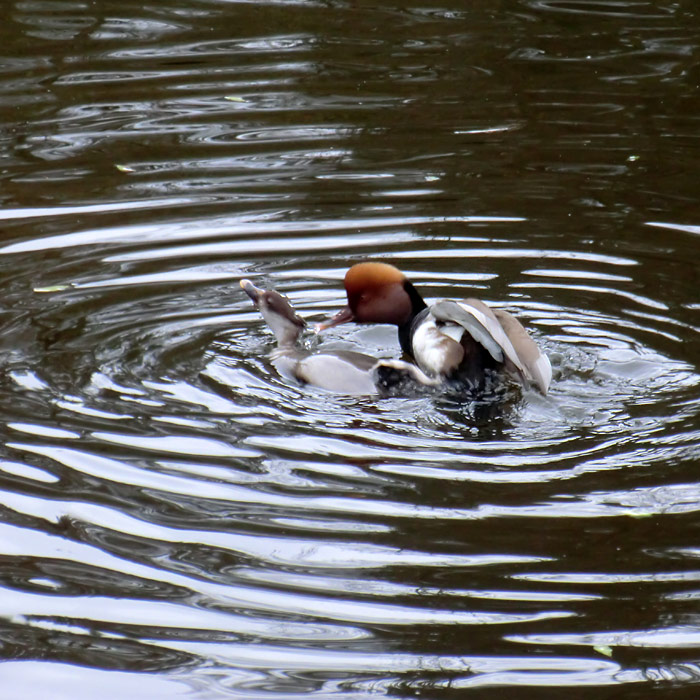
column 464, row 340
column 341, row 371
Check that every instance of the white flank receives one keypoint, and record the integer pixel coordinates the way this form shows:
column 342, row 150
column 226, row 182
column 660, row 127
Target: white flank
column 431, row 348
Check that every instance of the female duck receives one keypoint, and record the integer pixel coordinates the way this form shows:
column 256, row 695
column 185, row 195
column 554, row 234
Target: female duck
column 342, row 371
column 450, row 339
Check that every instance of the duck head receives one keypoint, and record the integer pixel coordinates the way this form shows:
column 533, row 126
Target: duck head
column 277, row 312
column 377, row 293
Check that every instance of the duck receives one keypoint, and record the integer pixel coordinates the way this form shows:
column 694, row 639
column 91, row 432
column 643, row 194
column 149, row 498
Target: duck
column 340, row 371
column 463, row 340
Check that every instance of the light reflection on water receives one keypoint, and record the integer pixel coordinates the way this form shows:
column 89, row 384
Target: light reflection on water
column 176, row 517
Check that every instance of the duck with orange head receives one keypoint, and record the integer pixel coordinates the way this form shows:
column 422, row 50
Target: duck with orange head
column 464, row 340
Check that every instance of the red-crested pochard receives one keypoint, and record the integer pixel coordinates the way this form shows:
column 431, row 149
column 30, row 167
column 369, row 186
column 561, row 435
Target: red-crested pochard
column 342, row 371
column 450, row 339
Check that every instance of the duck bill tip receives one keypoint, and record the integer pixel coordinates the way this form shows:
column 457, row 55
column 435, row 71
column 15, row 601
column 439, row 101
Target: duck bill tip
column 250, row 289
column 345, row 315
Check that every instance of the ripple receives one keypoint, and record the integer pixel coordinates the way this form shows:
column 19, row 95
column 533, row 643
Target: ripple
column 607, row 8
column 174, row 507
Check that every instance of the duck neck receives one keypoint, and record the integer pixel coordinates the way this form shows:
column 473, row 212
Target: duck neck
column 418, row 306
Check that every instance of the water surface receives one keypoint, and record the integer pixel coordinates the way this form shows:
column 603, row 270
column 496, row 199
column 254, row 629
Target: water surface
column 179, row 520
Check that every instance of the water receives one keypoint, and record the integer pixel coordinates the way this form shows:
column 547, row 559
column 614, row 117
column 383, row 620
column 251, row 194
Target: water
column 178, row 520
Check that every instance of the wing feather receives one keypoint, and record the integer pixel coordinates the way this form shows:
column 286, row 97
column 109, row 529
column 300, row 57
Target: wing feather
column 536, row 365
column 503, row 336
column 478, row 320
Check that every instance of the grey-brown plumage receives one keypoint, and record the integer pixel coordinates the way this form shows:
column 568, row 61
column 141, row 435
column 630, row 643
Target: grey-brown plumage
column 341, row 371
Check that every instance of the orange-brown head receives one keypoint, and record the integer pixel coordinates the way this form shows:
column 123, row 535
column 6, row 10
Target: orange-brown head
column 377, row 293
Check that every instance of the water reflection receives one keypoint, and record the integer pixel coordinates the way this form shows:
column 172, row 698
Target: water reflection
column 179, row 518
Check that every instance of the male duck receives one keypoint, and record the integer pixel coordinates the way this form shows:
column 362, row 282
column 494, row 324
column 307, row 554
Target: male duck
column 342, row 371
column 450, row 339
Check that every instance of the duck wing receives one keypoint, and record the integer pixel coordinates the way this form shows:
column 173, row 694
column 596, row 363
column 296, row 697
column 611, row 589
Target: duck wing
column 502, row 335
column 480, row 322
column 536, row 365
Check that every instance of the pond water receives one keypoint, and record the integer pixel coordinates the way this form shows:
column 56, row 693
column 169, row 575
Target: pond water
column 179, row 520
